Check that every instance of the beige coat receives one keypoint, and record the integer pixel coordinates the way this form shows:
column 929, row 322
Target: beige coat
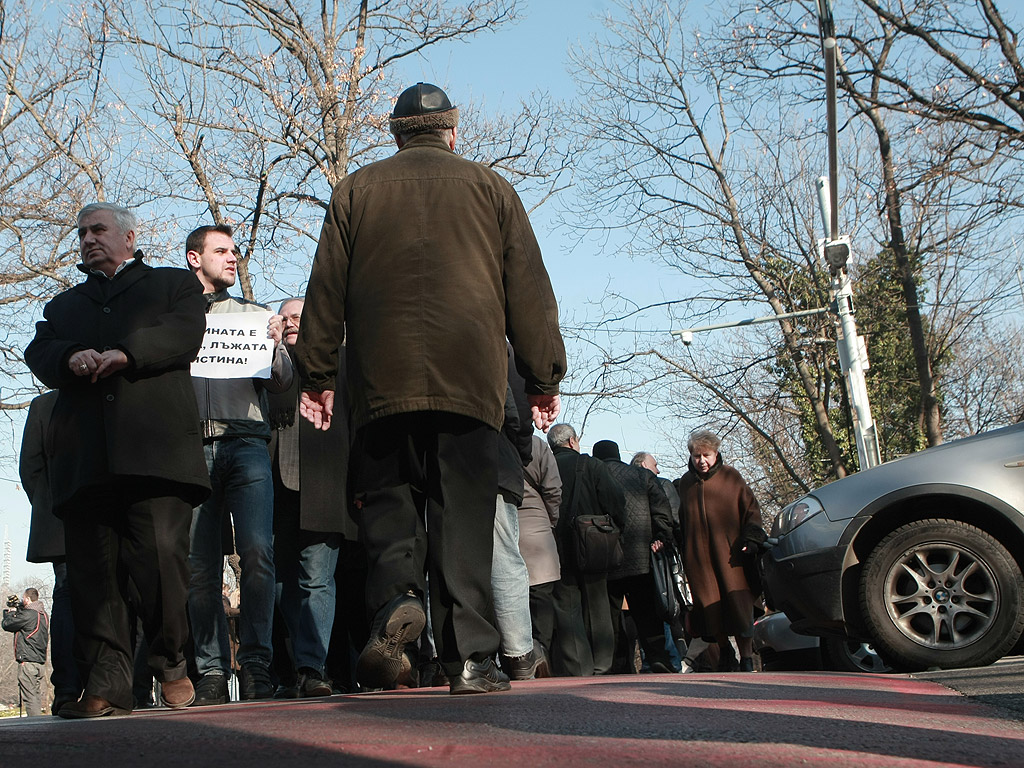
column 426, row 262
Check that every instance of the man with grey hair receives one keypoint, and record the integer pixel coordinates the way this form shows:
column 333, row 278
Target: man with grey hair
column 587, row 489
column 127, row 461
column 426, row 264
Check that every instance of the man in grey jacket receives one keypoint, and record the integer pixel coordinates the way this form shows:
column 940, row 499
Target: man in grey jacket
column 235, row 435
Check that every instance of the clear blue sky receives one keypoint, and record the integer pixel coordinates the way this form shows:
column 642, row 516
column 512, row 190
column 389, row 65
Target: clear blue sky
column 494, row 71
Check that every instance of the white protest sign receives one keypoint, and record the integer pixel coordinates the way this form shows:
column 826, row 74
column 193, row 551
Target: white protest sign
column 235, row 346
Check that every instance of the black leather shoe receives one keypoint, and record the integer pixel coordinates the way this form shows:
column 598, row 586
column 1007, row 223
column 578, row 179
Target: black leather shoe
column 211, row 689
column 312, row 683
column 255, row 683
column 479, row 677
column 397, row 623
column 533, row 664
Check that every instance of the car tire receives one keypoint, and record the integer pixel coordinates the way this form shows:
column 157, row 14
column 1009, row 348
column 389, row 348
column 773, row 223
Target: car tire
column 851, row 656
column 941, row 593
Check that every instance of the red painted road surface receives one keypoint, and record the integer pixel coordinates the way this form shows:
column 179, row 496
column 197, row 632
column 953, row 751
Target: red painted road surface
column 757, row 720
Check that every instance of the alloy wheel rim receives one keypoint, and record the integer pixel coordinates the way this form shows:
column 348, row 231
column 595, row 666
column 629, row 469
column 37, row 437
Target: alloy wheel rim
column 941, row 596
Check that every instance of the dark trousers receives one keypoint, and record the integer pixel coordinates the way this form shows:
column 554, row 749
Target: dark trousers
column 542, row 613
column 584, row 595
column 639, row 591
column 425, row 483
column 119, row 531
column 65, row 680
column 351, row 627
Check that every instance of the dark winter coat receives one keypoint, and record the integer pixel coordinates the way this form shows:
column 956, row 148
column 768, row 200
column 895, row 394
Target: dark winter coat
column 426, row 263
column 515, row 448
column 31, row 628
column 599, row 494
column 719, row 515
column 648, row 517
column 141, row 422
column 314, row 462
column 46, row 533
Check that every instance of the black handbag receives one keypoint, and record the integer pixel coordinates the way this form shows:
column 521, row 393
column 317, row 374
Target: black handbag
column 598, row 543
column 666, row 601
column 597, row 538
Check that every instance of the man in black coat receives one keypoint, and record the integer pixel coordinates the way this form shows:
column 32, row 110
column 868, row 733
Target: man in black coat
column 587, row 489
column 648, row 528
column 127, row 464
column 46, row 545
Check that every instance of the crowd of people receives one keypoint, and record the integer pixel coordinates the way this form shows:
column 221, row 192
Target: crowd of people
column 397, row 520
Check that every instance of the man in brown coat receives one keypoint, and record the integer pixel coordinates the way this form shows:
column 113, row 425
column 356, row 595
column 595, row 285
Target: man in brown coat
column 426, row 263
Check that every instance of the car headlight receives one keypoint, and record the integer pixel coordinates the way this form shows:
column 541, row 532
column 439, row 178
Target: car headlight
column 797, row 513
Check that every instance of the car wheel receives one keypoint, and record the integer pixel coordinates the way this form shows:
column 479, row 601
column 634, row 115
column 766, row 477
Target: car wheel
column 940, row 593
column 851, row 656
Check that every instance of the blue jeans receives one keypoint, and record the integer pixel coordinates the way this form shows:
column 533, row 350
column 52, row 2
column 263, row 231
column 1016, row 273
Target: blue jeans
column 305, row 562
column 510, row 583
column 242, row 488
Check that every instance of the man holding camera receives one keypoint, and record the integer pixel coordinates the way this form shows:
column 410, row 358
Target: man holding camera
column 27, row 619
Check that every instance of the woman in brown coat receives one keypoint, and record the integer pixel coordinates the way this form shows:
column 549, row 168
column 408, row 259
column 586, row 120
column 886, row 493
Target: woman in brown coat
column 721, row 526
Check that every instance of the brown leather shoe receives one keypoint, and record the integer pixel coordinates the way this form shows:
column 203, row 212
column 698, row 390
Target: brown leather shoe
column 91, row 706
column 177, row 694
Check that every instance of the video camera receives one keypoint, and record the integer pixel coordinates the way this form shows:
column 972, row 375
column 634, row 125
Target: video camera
column 13, row 601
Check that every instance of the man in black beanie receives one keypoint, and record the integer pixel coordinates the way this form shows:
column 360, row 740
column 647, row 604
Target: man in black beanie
column 648, row 528
column 426, row 263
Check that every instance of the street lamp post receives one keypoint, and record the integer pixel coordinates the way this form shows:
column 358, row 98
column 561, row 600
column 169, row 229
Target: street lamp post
column 853, row 357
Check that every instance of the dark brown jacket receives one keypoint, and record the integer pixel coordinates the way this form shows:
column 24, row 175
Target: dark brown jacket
column 717, row 513
column 141, row 422
column 426, row 262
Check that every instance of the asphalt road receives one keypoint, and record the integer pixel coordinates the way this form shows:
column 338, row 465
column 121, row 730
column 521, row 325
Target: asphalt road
column 760, row 719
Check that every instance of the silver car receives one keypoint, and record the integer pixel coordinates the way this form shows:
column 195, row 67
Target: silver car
column 922, row 556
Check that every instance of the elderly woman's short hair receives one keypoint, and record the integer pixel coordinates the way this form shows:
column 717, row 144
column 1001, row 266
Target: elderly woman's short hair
column 703, row 438
column 560, row 435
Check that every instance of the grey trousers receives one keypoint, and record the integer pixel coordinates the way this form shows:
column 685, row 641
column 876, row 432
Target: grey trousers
column 30, row 684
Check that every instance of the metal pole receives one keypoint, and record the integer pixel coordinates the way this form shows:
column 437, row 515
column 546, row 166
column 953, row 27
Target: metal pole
column 751, row 321
column 853, row 361
column 828, row 47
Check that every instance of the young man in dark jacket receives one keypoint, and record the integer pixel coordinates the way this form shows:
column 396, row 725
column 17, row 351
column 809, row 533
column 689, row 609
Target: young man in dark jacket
column 31, row 627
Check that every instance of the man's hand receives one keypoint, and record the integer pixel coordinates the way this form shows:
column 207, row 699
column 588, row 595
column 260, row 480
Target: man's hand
column 545, row 409
column 317, row 408
column 85, row 362
column 275, row 329
column 97, row 365
column 111, row 361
